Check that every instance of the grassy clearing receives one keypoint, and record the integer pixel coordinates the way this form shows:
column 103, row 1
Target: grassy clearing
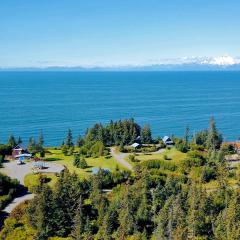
column 57, row 156
column 172, row 154
column 31, row 180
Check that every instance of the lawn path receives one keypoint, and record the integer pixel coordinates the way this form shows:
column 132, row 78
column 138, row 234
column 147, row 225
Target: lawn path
column 120, row 158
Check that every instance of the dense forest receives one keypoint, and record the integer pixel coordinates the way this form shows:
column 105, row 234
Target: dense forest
column 159, row 200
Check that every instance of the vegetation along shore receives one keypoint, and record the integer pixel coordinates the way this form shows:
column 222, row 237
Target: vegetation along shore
column 118, row 182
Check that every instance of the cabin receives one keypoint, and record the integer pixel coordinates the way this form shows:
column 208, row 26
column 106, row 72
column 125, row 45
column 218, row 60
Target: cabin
column 135, row 145
column 138, row 139
column 96, row 170
column 19, row 152
column 168, row 141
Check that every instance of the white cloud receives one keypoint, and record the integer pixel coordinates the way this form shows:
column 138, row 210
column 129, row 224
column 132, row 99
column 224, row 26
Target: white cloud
column 222, row 61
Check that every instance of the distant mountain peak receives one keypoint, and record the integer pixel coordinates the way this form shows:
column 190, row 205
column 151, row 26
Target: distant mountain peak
column 221, row 61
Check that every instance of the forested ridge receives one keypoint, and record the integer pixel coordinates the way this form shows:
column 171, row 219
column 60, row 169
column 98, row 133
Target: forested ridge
column 160, row 199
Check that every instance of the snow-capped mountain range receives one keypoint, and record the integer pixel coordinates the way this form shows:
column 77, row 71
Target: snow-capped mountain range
column 224, row 63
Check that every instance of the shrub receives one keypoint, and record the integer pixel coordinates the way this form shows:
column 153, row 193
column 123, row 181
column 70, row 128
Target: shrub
column 131, row 157
column 83, row 163
column 151, row 164
column 64, row 149
column 165, row 157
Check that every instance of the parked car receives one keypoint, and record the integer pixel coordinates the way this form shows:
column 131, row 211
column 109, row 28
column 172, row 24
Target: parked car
column 19, row 162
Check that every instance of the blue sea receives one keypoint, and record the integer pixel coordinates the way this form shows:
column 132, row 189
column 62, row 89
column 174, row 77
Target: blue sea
column 168, row 101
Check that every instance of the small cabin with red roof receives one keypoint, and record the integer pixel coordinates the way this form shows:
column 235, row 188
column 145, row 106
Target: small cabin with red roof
column 20, row 151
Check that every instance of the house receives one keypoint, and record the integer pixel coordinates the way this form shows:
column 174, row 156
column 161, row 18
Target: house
column 20, row 152
column 135, row 145
column 138, row 139
column 167, row 140
column 96, row 170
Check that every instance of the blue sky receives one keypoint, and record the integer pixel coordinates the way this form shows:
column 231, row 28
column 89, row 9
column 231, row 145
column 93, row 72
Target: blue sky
column 115, row 32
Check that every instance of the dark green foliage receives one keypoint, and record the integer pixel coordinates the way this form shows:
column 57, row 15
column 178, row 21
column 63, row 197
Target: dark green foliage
column 40, row 140
column 200, row 138
column 162, row 200
column 159, row 164
column 11, row 141
column 214, row 139
column 52, row 212
column 79, row 162
column 9, row 188
column 76, row 161
column 5, row 150
column 64, row 149
column 69, row 139
column 115, row 133
column 146, row 135
column 228, row 148
column 181, row 145
column 83, row 163
column 19, row 141
column 42, row 153
column 36, row 146
column 80, row 141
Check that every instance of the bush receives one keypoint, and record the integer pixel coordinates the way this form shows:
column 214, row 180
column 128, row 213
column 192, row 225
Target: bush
column 64, row 149
column 182, row 147
column 151, row 164
column 131, row 157
column 83, row 163
column 79, row 163
column 165, row 157
column 208, row 174
column 71, row 151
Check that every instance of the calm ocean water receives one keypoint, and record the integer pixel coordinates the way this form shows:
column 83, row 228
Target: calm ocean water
column 168, row 101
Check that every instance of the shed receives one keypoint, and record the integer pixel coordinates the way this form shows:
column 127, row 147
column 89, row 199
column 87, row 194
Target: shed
column 167, row 140
column 135, row 145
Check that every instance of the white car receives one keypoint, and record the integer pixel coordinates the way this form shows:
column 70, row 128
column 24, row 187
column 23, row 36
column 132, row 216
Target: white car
column 19, row 162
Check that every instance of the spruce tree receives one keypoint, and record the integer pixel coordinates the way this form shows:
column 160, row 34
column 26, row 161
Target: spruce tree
column 78, row 227
column 11, row 141
column 69, row 139
column 40, row 140
column 80, row 141
column 214, row 139
column 146, row 135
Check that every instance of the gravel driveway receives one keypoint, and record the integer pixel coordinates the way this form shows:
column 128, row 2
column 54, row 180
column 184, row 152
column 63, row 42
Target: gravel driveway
column 120, row 158
column 19, row 172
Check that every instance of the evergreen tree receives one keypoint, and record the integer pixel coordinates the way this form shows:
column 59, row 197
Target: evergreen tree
column 214, row 139
column 80, row 141
column 146, row 135
column 31, row 144
column 19, row 141
column 40, row 141
column 126, row 216
column 69, row 139
column 11, row 141
column 78, row 227
column 41, row 214
column 76, row 161
column 64, row 149
column 83, row 163
column 187, row 136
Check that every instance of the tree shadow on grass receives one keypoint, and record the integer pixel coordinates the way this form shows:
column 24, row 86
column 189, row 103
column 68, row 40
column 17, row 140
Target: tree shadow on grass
column 52, row 159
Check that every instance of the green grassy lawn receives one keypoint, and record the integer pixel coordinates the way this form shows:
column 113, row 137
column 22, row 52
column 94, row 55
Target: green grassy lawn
column 172, row 154
column 31, row 180
column 57, row 156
